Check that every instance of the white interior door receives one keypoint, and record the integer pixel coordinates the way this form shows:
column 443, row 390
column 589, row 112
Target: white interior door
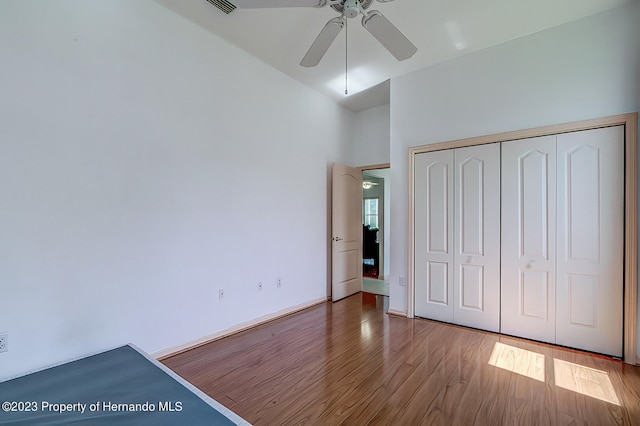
column 346, row 240
column 528, row 304
column 434, row 235
column 476, row 276
column 590, row 240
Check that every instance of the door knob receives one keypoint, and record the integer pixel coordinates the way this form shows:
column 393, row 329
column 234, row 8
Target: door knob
column 337, row 239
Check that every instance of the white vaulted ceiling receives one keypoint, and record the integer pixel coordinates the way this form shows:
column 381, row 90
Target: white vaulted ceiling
column 441, row 30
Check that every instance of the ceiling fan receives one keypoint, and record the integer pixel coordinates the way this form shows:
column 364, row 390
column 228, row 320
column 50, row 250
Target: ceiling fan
column 379, row 26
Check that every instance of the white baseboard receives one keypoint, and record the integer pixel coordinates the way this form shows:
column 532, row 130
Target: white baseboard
column 398, row 313
column 174, row 350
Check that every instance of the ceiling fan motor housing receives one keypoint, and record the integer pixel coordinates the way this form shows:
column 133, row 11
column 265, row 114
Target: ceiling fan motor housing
column 351, row 8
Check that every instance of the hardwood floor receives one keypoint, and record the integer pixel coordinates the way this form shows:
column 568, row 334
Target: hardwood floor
column 349, row 363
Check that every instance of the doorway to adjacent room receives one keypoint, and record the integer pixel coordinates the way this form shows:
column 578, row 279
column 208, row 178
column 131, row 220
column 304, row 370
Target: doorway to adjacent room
column 375, row 227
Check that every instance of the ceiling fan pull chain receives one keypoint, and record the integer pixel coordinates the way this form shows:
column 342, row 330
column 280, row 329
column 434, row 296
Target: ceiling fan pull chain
column 346, row 56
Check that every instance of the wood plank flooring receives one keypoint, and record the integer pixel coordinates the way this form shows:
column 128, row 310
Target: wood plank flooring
column 349, row 363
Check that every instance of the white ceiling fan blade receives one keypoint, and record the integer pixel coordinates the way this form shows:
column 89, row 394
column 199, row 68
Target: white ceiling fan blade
column 388, row 35
column 322, row 43
column 255, row 4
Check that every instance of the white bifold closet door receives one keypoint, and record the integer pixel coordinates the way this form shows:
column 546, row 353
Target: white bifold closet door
column 457, row 228
column 590, row 240
column 562, row 239
column 528, row 238
column 434, row 235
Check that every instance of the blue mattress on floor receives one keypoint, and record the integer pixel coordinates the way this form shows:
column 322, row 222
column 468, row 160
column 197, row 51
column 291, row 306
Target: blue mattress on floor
column 121, row 386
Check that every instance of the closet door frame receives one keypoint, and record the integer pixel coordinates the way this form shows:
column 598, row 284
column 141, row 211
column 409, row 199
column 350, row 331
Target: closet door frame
column 630, row 122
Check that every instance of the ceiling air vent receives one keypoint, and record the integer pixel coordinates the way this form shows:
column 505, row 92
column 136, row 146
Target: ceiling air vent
column 223, row 5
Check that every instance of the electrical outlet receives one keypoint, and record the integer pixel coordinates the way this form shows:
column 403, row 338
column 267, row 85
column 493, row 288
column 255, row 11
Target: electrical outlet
column 278, row 282
column 260, row 286
column 220, row 294
column 4, row 342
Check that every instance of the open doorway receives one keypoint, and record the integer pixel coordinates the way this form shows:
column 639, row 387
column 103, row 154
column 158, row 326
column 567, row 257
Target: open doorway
column 375, row 230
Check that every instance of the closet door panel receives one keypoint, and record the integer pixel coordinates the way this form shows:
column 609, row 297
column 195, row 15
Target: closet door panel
column 590, row 240
column 476, row 281
column 528, row 238
column 434, row 235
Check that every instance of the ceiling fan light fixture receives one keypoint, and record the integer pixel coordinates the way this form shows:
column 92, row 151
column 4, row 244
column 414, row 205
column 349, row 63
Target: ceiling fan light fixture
column 351, row 8
column 342, row 6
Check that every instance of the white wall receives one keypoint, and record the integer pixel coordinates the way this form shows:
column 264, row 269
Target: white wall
column 370, row 144
column 144, row 164
column 586, row 69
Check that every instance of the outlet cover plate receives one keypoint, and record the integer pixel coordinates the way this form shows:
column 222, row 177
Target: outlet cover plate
column 4, row 342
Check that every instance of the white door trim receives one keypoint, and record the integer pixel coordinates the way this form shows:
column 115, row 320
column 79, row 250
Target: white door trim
column 630, row 121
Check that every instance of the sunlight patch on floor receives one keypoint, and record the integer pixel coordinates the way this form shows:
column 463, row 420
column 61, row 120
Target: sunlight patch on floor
column 584, row 380
column 519, row 361
column 567, row 375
